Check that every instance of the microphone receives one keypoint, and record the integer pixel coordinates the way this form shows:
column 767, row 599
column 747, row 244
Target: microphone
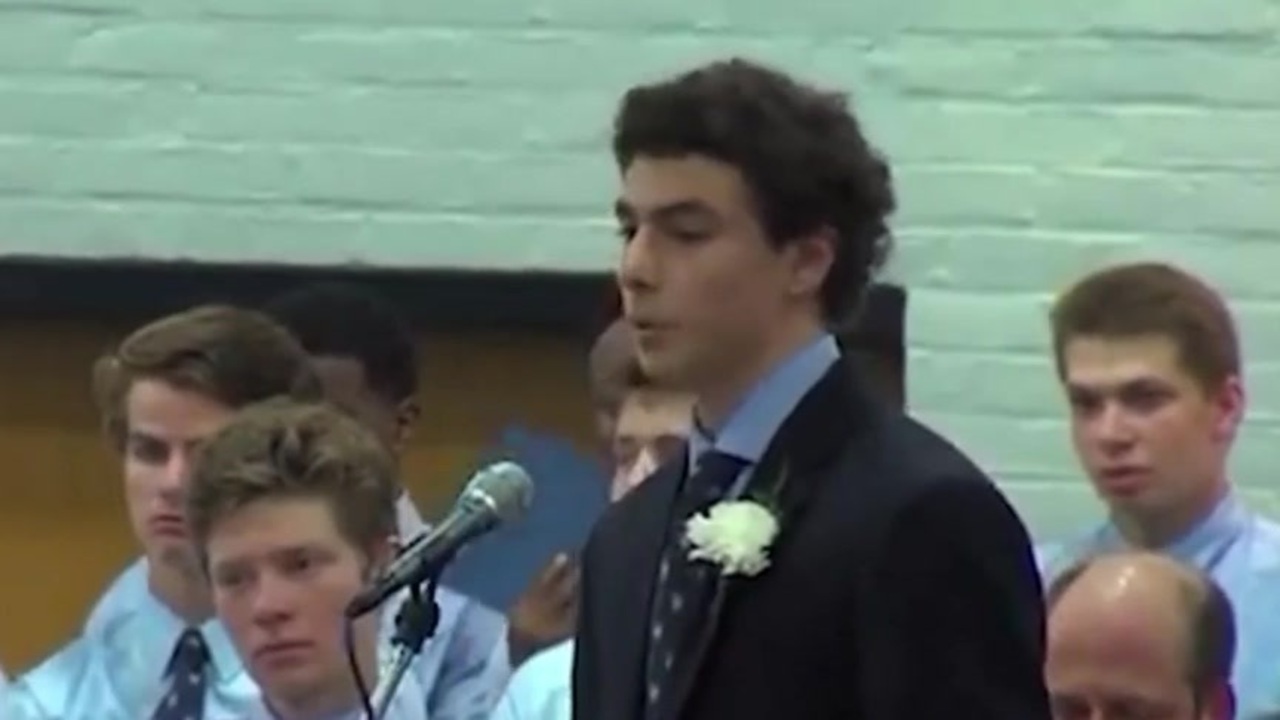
column 500, row 493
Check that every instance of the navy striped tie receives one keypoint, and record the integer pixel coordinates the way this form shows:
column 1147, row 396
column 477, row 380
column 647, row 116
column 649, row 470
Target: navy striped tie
column 682, row 595
column 186, row 675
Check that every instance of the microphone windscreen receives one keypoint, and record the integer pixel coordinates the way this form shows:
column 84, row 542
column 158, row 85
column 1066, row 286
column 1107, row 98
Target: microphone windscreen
column 505, row 486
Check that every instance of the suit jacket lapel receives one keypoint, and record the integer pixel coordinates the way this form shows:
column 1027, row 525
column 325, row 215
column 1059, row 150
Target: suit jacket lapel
column 702, row 643
column 807, row 442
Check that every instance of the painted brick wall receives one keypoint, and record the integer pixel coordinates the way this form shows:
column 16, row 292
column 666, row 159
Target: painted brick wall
column 1032, row 141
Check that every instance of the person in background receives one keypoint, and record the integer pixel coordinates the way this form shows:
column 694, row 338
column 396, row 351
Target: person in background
column 1149, row 361
column 650, row 427
column 611, row 370
column 565, row 509
column 163, row 391
column 367, row 359
column 1139, row 635
column 292, row 509
column 874, row 341
column 169, row 386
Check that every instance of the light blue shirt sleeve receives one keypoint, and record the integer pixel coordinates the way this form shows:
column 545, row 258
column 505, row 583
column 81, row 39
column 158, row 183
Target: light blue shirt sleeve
column 1048, row 559
column 115, row 670
column 406, row 704
column 465, row 666
column 50, row 690
column 119, row 597
column 541, row 689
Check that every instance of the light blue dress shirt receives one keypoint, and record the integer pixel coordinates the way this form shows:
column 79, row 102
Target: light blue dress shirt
column 118, row 672
column 404, row 704
column 114, row 670
column 1240, row 550
column 750, row 427
column 542, row 688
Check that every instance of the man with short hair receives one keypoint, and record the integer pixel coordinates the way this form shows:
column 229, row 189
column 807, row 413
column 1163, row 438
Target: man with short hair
column 367, row 358
column 1138, row 635
column 292, row 511
column 815, row 553
column 874, row 342
column 1149, row 360
column 649, row 427
column 611, row 374
column 163, row 391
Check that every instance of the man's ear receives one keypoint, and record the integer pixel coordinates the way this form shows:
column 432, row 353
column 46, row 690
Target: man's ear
column 407, row 413
column 811, row 260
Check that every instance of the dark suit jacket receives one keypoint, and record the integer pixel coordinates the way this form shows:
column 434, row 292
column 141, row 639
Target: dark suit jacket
column 903, row 587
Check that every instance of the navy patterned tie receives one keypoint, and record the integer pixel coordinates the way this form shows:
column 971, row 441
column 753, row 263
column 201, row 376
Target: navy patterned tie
column 682, row 595
column 186, row 676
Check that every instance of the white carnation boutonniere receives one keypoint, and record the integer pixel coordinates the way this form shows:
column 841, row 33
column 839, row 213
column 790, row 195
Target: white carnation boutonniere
column 734, row 534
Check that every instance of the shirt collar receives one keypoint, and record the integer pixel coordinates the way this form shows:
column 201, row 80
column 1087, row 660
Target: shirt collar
column 1203, row 542
column 149, row 623
column 747, row 431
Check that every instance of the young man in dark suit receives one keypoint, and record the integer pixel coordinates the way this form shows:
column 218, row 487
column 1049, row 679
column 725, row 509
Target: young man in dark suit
column 814, row 554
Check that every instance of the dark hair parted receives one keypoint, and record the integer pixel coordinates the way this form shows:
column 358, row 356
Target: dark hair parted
column 1211, row 622
column 349, row 321
column 283, row 449
column 1152, row 299
column 231, row 355
column 800, row 151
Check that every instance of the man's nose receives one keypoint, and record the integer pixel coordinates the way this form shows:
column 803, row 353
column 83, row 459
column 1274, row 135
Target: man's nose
column 176, row 471
column 1112, row 425
column 273, row 600
column 636, row 268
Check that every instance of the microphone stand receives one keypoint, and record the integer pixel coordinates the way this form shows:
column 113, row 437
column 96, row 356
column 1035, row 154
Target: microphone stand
column 416, row 622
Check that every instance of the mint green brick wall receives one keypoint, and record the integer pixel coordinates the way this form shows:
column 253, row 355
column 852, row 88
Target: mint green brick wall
column 1032, row 142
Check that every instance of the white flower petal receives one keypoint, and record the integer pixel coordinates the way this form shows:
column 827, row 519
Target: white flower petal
column 734, row 534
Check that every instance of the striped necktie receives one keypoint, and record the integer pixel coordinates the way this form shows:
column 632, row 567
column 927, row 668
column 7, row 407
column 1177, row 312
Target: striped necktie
column 683, row 593
column 186, row 674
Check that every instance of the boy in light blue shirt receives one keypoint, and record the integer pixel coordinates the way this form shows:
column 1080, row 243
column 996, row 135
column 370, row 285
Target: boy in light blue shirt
column 646, row 426
column 1149, row 359
column 164, row 390
column 292, row 510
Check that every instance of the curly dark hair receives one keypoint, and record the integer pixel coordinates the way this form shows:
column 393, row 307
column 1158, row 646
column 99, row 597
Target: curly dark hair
column 351, row 321
column 800, row 150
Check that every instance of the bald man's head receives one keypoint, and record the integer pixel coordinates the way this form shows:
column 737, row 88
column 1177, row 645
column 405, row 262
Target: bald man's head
column 1138, row 631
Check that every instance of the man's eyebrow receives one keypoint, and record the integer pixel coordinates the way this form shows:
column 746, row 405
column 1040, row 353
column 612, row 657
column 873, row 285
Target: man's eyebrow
column 623, row 209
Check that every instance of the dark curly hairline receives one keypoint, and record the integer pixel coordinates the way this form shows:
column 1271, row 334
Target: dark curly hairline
column 800, row 150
